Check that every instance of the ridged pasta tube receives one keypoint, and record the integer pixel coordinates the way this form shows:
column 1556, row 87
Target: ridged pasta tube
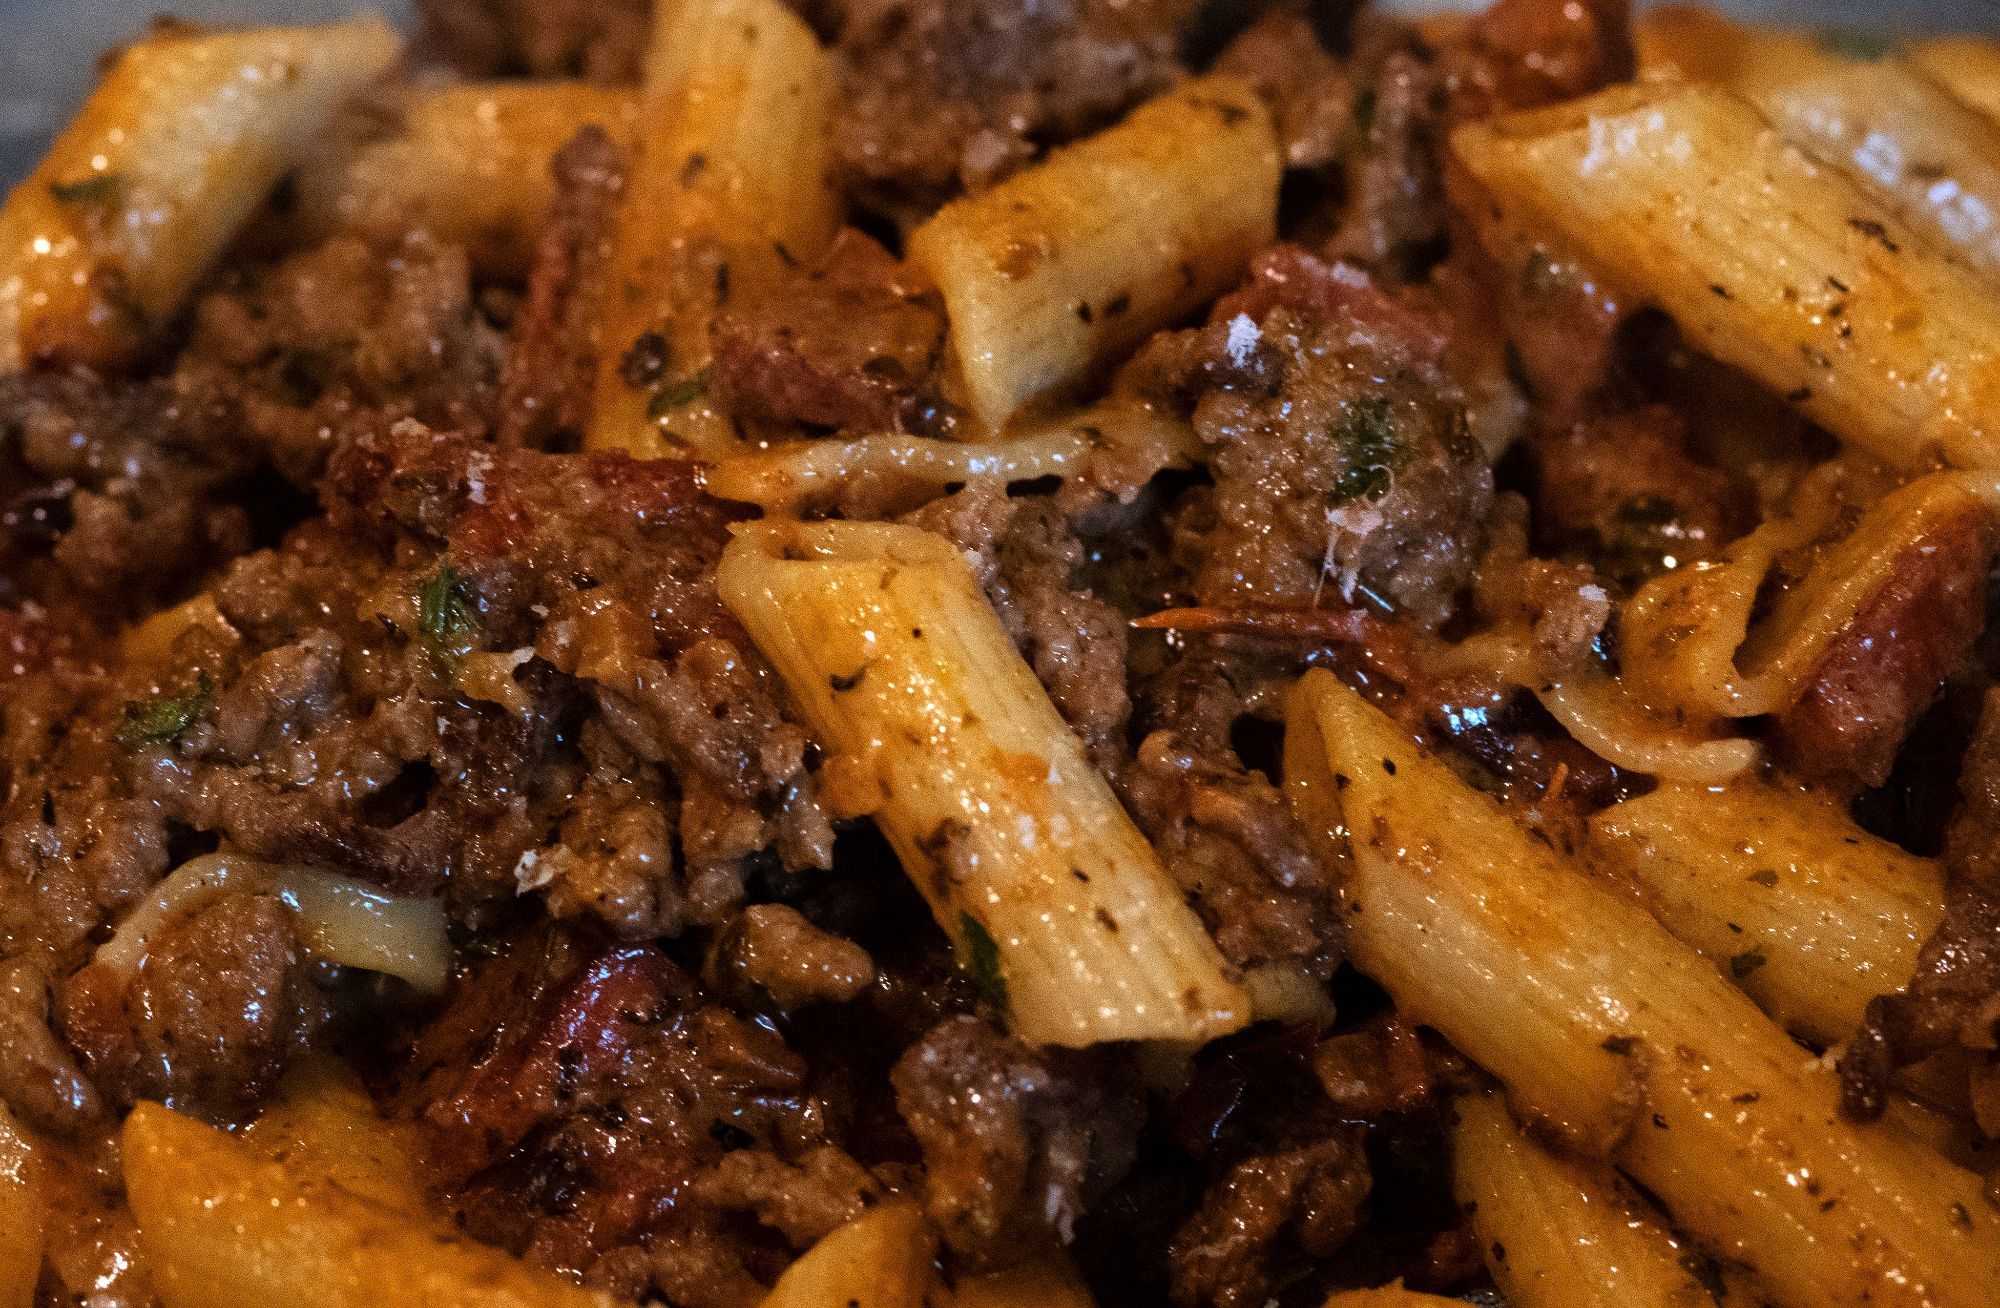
column 1060, row 909
column 1605, row 1027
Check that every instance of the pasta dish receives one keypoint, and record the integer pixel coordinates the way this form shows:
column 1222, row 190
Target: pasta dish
column 1004, row 654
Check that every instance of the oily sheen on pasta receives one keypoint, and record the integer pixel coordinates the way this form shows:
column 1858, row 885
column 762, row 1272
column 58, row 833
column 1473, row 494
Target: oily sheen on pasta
column 1004, row 654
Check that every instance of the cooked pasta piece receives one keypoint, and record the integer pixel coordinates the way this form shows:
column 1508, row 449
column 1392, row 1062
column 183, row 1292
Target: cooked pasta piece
column 1810, row 914
column 1685, row 198
column 154, row 638
column 801, row 473
column 223, row 1227
column 470, row 165
column 183, row 138
column 1686, row 639
column 1562, row 1233
column 881, row 1259
column 728, row 184
column 1065, row 265
column 322, row 1126
column 1967, row 66
column 1050, row 1281
column 1060, row 910
column 1389, row 1296
column 1607, row 1029
column 20, row 1217
column 339, row 919
column 1894, row 131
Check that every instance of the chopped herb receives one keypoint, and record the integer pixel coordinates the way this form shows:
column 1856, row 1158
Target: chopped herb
column 982, row 959
column 1368, row 450
column 96, row 189
column 841, row 684
column 645, row 363
column 164, row 718
column 444, row 611
column 677, row 394
column 1852, row 43
column 1619, row 1045
column 1875, row 232
column 1540, row 275
column 1743, row 964
column 1764, row 877
column 1364, row 110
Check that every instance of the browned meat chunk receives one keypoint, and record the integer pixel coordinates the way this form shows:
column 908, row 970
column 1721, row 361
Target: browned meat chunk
column 1015, row 1141
column 1311, row 98
column 603, row 40
column 210, row 1020
column 849, row 342
column 943, row 94
column 1888, row 666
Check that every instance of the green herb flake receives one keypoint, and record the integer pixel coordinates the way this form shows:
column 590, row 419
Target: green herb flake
column 1369, row 452
column 97, row 189
column 444, row 611
column 982, row 963
column 164, row 718
column 672, row 395
column 1854, row 43
column 1743, row 964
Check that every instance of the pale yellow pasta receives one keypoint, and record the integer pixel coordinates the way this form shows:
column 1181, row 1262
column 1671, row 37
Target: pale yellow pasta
column 1605, row 1028
column 1810, row 914
column 1063, row 266
column 1564, row 1233
column 469, row 164
column 183, row 138
column 223, row 1227
column 1060, row 909
column 1048, row 1281
column 727, row 186
column 1389, row 1296
column 21, row 1213
column 1897, row 133
column 153, row 639
column 797, row 474
column 322, row 1127
column 1967, row 66
column 1685, row 198
column 881, row 1259
column 338, row 918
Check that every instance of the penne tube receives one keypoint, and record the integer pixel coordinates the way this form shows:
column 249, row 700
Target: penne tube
column 223, row 1227
column 1895, row 132
column 881, row 1259
column 181, row 141
column 1064, row 266
column 1060, row 910
column 470, row 166
column 1808, row 913
column 1563, row 1233
column 1048, row 1281
column 1389, row 1296
column 322, row 1126
column 1683, row 197
column 21, row 1215
column 1541, row 974
column 728, row 184
column 1967, row 66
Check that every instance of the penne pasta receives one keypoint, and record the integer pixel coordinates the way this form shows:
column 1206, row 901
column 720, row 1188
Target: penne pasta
column 21, row 1203
column 222, row 1227
column 181, row 141
column 1389, row 1296
column 470, row 166
column 1064, row 266
column 1562, row 1233
column 1060, row 909
column 1550, row 981
column 1050, row 1281
column 728, row 184
column 1683, row 197
column 1967, row 66
column 881, row 1259
column 1808, row 913
column 1896, row 133
column 322, row 1127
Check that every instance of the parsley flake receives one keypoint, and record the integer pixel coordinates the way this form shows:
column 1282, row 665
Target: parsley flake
column 982, row 963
